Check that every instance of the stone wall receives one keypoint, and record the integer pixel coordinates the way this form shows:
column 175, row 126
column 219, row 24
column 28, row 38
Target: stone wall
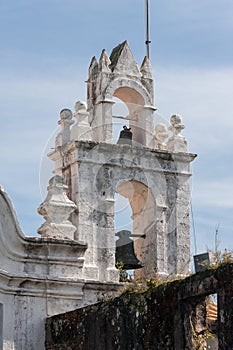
column 39, row 277
column 169, row 316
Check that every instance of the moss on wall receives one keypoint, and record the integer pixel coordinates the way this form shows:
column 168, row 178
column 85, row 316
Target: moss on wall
column 169, row 316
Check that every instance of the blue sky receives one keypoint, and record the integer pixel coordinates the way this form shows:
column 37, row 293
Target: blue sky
column 46, row 47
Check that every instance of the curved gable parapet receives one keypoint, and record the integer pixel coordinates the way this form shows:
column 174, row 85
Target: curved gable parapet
column 35, row 255
column 4, row 198
column 11, row 235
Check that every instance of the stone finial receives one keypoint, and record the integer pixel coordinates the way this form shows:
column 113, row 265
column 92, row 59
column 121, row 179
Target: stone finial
column 104, row 62
column 160, row 136
column 80, row 111
column 81, row 130
column 146, row 68
column 66, row 121
column 147, row 76
column 66, row 114
column 177, row 142
column 176, row 124
column 93, row 68
column 56, row 210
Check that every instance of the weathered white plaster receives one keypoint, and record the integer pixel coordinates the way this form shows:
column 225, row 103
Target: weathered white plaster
column 160, row 136
column 39, row 277
column 100, row 170
column 56, row 209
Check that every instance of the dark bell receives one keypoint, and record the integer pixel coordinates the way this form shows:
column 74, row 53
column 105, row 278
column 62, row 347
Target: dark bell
column 125, row 136
column 125, row 251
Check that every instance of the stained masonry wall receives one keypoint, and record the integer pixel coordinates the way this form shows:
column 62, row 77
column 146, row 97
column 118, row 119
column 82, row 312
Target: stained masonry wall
column 170, row 316
column 94, row 169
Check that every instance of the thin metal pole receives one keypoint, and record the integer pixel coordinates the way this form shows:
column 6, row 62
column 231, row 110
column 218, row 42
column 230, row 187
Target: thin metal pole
column 147, row 29
column 216, row 238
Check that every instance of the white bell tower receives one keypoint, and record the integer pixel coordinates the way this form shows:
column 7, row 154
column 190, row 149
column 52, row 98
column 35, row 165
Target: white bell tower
column 153, row 172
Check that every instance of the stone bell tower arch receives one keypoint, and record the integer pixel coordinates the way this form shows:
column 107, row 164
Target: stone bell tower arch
column 119, row 76
column 153, row 171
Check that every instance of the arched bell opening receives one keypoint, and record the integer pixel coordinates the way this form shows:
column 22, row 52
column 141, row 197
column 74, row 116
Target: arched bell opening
column 120, row 113
column 124, row 244
column 135, row 119
column 132, row 244
column 123, row 213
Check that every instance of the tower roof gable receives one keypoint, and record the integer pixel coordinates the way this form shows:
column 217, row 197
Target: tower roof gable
column 122, row 60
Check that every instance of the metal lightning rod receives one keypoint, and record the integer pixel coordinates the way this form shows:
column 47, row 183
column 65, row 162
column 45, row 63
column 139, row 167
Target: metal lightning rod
column 147, row 29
